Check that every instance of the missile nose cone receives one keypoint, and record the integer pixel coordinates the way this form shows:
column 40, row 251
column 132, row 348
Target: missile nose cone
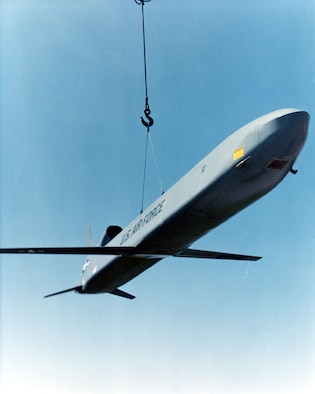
column 283, row 135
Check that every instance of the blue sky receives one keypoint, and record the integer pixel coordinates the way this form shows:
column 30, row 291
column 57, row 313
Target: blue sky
column 72, row 149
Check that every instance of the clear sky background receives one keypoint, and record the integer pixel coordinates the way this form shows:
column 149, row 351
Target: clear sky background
column 72, row 149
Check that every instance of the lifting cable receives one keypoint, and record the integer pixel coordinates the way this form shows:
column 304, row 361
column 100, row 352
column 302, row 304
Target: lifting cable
column 149, row 122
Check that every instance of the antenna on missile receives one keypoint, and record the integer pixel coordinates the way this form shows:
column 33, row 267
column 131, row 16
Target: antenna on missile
column 147, row 111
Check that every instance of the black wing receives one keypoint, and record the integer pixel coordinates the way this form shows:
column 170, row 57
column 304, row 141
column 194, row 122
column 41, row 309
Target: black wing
column 129, row 250
column 108, row 250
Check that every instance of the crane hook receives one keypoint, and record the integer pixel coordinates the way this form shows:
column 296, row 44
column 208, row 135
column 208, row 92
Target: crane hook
column 141, row 2
column 150, row 119
column 147, row 113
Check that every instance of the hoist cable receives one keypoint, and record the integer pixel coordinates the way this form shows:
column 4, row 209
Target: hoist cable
column 144, row 56
column 147, row 110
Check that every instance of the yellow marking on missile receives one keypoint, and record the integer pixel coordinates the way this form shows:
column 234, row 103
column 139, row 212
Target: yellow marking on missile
column 238, row 153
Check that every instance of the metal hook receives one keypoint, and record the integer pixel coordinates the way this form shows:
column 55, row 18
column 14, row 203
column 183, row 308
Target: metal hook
column 139, row 2
column 147, row 112
column 150, row 119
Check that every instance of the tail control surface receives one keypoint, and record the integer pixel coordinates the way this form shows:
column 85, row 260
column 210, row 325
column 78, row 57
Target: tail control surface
column 77, row 289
